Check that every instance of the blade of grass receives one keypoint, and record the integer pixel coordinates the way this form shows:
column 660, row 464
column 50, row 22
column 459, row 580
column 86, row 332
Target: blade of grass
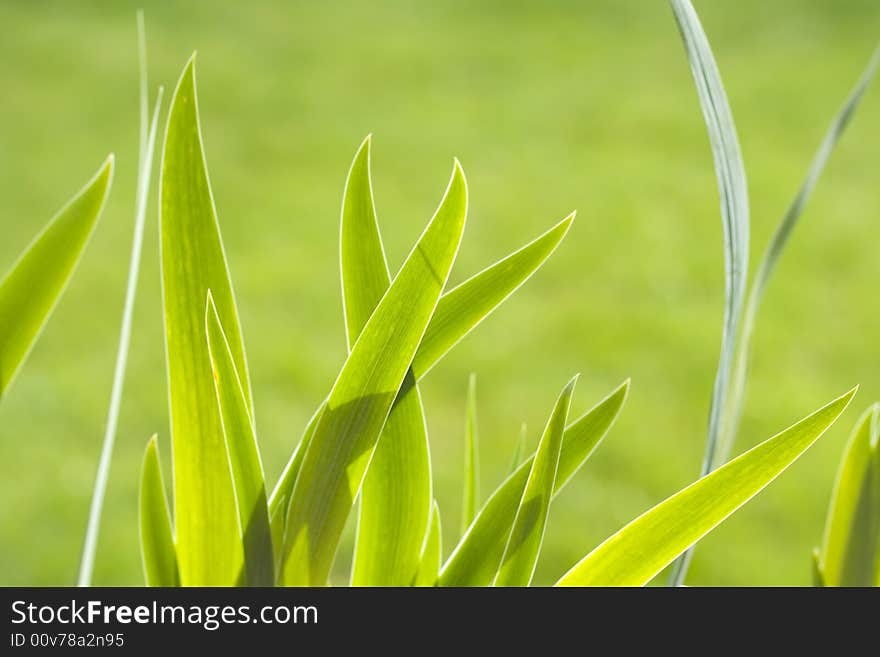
column 209, row 547
column 156, row 535
column 524, row 543
column 279, row 500
column 850, row 554
column 243, row 455
column 475, row 559
column 395, row 499
column 519, row 449
column 462, row 308
column 733, row 410
column 644, row 547
column 471, row 458
column 147, row 143
column 432, row 551
column 734, row 197
column 337, row 456
column 31, row 289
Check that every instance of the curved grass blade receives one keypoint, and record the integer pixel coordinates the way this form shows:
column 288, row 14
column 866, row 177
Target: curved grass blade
column 145, row 169
column 644, row 547
column 279, row 500
column 524, row 544
column 778, row 242
column 363, row 267
column 209, row 548
column 432, row 552
column 31, row 289
column 468, row 304
column 471, row 458
column 360, row 401
column 818, row 578
column 475, row 559
column 243, row 455
column 519, row 449
column 734, row 216
column 850, row 554
column 156, row 535
column 395, row 502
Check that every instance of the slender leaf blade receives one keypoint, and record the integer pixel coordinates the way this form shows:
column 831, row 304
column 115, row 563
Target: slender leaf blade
column 733, row 410
column 146, row 146
column 395, row 500
column 519, row 449
column 243, row 455
column 432, row 552
column 850, row 554
column 471, row 458
column 360, row 401
column 395, row 507
column 209, row 548
column 461, row 309
column 364, row 270
column 524, row 543
column 279, row 500
column 156, row 535
column 644, row 547
column 30, row 290
column 733, row 192
column 475, row 559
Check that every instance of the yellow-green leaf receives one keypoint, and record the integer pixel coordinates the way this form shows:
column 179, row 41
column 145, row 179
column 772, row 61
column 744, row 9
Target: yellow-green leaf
column 395, row 502
column 209, row 548
column 243, row 453
column 850, row 554
column 279, row 500
column 432, row 552
column 157, row 537
column 475, row 559
column 644, row 547
column 468, row 304
column 30, row 290
column 345, row 437
column 524, row 544
column 471, row 458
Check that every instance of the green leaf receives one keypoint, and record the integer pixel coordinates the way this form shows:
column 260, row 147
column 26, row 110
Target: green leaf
column 279, row 500
column 775, row 248
column 157, row 537
column 243, row 454
column 364, row 270
column 147, row 145
column 850, row 554
column 734, row 215
column 475, row 559
column 471, row 458
column 524, row 544
column 818, row 576
column 395, row 502
column 432, row 552
column 468, row 304
column 360, row 401
column 519, row 449
column 31, row 289
column 636, row 553
column 209, row 547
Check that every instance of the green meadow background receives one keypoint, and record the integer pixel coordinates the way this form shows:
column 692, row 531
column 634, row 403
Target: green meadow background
column 551, row 107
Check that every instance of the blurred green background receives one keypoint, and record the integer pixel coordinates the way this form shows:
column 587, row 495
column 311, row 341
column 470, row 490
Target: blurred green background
column 550, row 107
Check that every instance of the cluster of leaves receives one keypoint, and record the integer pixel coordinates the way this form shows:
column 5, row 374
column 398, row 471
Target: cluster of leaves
column 367, row 443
